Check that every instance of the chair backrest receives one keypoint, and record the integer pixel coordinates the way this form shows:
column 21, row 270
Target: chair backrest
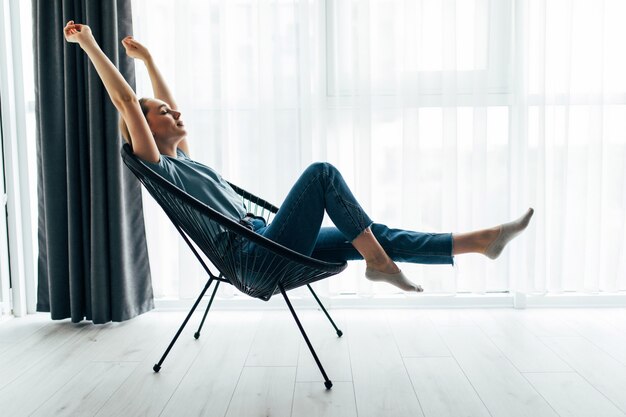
column 226, row 242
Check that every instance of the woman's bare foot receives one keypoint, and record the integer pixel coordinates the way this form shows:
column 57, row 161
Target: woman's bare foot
column 390, row 273
column 380, row 267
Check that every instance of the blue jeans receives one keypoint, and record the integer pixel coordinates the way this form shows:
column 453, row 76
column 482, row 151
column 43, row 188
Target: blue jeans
column 297, row 225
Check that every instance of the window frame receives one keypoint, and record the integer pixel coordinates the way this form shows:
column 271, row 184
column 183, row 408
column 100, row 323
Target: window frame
column 431, row 84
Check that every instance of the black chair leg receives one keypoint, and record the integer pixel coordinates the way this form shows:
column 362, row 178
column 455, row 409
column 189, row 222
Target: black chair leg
column 339, row 332
column 197, row 334
column 327, row 381
column 157, row 367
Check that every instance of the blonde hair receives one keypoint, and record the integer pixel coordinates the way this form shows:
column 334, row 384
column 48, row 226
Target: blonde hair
column 124, row 127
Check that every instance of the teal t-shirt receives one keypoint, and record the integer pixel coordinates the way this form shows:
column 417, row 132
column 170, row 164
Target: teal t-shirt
column 201, row 182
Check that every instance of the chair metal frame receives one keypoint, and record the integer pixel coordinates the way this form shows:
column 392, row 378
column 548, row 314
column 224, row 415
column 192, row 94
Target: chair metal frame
column 310, row 269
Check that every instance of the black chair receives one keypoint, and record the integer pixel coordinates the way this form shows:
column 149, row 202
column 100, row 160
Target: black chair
column 274, row 268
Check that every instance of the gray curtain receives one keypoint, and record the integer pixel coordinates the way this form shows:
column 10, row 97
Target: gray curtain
column 93, row 258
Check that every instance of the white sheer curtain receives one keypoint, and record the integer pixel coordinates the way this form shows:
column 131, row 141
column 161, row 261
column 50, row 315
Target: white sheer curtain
column 570, row 109
column 443, row 116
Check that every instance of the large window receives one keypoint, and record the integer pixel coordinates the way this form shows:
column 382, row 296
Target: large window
column 443, row 116
column 5, row 275
column 18, row 193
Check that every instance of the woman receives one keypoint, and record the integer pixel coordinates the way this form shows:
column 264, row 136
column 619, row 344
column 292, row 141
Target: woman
column 156, row 132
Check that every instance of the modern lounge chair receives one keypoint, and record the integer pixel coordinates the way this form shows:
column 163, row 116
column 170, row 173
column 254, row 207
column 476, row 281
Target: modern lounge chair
column 224, row 241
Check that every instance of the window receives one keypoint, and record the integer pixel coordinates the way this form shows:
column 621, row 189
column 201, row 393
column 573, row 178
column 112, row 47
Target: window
column 431, row 47
column 19, row 159
column 441, row 107
column 5, row 275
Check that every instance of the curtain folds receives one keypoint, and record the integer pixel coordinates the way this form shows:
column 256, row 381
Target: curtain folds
column 443, row 116
column 93, row 259
column 571, row 111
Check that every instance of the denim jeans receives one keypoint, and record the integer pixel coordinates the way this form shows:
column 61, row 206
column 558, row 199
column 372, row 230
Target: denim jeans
column 297, row 225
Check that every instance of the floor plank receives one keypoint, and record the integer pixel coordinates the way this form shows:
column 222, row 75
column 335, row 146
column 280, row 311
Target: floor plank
column 442, row 388
column 276, row 342
column 38, row 383
column 134, row 339
column 597, row 331
column 211, row 380
column 93, row 386
column 13, row 330
column 603, row 371
column 415, row 334
column 540, row 322
column 34, row 349
column 505, row 392
column 146, row 393
column 331, row 350
column 381, row 383
column 570, row 395
column 518, row 344
column 453, row 317
column 263, row 391
column 313, row 399
column 616, row 317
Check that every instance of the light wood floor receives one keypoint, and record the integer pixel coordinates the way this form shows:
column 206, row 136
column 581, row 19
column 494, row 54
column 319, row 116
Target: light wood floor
column 391, row 363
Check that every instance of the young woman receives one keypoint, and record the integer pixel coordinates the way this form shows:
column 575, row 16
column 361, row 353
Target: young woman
column 156, row 132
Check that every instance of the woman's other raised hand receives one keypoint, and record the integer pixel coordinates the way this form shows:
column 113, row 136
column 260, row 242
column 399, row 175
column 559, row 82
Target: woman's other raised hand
column 134, row 49
column 77, row 33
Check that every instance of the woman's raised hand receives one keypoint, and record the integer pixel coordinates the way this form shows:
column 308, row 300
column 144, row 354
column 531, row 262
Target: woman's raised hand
column 77, row 33
column 134, row 49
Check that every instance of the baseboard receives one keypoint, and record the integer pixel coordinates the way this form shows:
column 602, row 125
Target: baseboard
column 617, row 299
column 489, row 300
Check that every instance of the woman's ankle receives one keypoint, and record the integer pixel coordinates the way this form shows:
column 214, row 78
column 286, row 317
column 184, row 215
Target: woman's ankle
column 387, row 266
column 474, row 242
column 487, row 236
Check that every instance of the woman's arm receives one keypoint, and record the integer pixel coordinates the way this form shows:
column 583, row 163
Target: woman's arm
column 122, row 95
column 160, row 89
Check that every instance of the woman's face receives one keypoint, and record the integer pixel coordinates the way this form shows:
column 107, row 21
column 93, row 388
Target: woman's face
column 165, row 123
